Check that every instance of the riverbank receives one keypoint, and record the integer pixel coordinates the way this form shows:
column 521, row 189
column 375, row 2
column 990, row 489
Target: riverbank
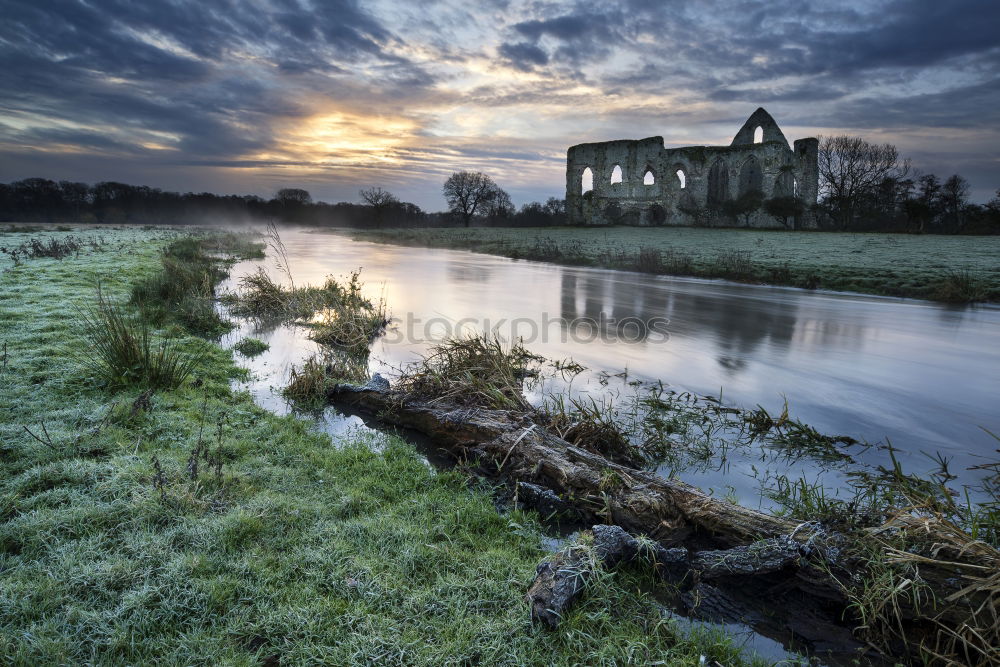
column 187, row 525
column 958, row 269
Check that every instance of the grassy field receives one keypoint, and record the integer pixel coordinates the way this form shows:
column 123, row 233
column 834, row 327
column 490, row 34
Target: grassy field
column 946, row 268
column 188, row 526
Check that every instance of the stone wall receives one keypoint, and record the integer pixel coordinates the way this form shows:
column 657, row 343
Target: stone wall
column 708, row 178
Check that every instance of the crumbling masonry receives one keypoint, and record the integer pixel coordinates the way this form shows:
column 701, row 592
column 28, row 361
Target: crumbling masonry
column 756, row 181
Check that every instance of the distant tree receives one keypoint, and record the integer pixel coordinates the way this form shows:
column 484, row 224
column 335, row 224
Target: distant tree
column 993, row 205
column 293, row 197
column 381, row 202
column 468, row 193
column 743, row 206
column 498, row 205
column 851, row 171
column 785, row 209
column 922, row 209
column 954, row 199
column 555, row 207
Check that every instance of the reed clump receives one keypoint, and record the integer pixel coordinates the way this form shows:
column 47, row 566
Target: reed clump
column 478, row 370
column 960, row 286
column 121, row 351
column 310, row 383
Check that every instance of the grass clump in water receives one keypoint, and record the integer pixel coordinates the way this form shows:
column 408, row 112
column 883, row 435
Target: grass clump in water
column 309, row 385
column 122, row 352
column 479, row 370
column 251, row 347
column 961, row 286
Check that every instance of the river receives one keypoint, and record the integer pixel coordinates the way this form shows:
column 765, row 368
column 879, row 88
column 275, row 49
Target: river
column 921, row 375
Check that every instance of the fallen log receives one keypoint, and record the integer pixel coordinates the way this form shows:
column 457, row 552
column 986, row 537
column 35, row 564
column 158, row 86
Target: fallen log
column 512, row 446
column 558, row 476
column 560, row 580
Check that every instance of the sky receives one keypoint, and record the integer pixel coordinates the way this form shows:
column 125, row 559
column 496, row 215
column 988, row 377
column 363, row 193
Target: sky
column 249, row 96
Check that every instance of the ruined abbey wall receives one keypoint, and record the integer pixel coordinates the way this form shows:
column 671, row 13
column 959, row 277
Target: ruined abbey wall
column 710, row 177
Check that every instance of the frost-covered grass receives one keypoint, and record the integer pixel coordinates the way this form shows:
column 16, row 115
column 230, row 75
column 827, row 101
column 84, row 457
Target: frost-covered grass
column 189, row 526
column 930, row 266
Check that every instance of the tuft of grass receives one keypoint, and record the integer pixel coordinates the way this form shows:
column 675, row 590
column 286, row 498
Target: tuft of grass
column 591, row 425
column 961, row 286
column 122, row 352
column 735, row 265
column 480, row 370
column 251, row 347
column 309, row 385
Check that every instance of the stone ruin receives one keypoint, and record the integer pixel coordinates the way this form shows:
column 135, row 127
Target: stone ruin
column 756, row 181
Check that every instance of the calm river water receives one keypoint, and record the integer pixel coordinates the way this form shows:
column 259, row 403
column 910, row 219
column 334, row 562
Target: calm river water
column 922, row 375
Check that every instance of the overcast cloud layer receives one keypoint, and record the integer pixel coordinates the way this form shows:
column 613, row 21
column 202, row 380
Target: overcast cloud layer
column 333, row 95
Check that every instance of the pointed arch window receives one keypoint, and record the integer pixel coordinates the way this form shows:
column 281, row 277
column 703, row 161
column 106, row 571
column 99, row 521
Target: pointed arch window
column 648, row 178
column 718, row 183
column 587, row 181
column 758, row 134
column 751, row 177
column 616, row 174
column 682, row 178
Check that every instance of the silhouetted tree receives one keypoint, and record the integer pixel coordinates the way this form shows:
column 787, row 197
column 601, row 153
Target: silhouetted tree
column 498, row 205
column 380, row 201
column 293, row 196
column 743, row 206
column 954, row 199
column 785, row 209
column 468, row 193
column 851, row 171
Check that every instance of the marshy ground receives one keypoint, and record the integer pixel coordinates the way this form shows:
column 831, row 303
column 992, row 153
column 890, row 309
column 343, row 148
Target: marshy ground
column 168, row 519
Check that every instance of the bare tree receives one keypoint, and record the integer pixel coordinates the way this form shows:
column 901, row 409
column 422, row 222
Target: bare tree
column 293, row 196
column 499, row 206
column 851, row 171
column 469, row 193
column 381, row 201
column 954, row 198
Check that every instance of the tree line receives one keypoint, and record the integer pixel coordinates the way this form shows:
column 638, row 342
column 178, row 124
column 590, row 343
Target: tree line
column 44, row 200
column 863, row 187
column 866, row 186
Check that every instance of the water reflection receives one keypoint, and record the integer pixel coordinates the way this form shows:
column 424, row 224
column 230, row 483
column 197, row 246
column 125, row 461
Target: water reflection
column 872, row 368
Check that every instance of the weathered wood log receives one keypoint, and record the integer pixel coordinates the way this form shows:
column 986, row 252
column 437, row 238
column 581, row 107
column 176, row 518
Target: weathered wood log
column 560, row 580
column 761, row 557
column 512, row 446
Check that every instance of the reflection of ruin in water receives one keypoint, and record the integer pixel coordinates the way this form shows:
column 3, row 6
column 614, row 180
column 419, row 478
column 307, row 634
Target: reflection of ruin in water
column 738, row 326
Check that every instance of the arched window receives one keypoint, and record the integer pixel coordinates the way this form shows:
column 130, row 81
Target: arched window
column 784, row 185
column 758, row 134
column 587, row 182
column 682, row 177
column 648, row 178
column 718, row 183
column 751, row 177
column 616, row 174
column 795, row 187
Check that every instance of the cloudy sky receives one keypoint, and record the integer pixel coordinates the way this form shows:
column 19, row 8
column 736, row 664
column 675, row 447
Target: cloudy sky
column 247, row 96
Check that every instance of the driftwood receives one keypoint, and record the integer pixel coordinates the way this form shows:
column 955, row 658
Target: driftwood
column 561, row 579
column 553, row 475
column 512, row 446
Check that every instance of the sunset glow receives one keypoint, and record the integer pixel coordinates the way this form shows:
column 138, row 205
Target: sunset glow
column 343, row 95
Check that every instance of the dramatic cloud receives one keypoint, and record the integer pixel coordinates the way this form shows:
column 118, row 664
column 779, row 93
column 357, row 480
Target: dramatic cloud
column 334, row 95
